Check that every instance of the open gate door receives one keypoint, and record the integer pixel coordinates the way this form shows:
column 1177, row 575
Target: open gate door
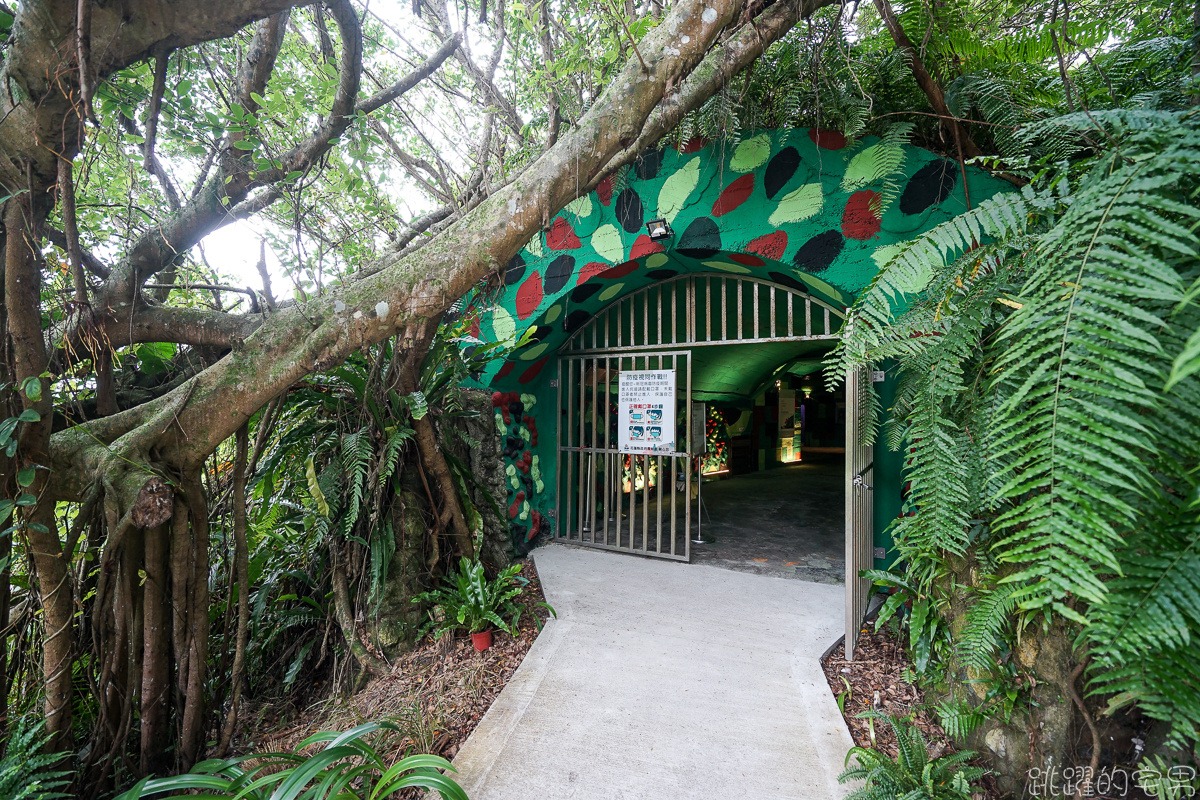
column 644, row 503
column 859, row 481
column 648, row 503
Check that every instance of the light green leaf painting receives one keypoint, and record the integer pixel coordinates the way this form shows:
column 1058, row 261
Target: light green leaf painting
column 677, row 188
column 799, row 204
column 608, row 244
column 581, row 207
column 751, row 154
column 872, row 164
column 503, row 325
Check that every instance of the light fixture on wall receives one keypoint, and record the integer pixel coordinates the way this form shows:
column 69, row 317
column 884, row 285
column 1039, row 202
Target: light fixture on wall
column 658, row 229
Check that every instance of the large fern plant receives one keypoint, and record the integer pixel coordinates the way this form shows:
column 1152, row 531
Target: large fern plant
column 1049, row 341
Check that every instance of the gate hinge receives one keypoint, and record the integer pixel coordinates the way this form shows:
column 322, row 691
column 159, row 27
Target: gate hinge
column 554, row 383
column 879, row 553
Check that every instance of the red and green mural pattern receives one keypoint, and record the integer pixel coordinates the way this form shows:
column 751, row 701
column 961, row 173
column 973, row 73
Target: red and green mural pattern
column 802, row 208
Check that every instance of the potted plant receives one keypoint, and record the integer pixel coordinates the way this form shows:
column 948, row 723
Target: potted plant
column 470, row 602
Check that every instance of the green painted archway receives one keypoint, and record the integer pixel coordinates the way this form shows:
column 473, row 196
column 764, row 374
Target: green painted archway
column 802, row 208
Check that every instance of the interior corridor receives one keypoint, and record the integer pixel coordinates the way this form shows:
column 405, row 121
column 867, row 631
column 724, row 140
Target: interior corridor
column 786, row 521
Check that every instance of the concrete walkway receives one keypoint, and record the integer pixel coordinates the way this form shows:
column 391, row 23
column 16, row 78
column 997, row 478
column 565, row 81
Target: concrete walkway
column 665, row 681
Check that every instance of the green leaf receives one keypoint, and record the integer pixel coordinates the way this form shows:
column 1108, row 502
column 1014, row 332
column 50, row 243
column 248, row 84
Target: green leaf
column 314, row 487
column 25, row 476
column 889, row 609
column 32, row 388
column 7, row 426
column 1187, row 363
column 29, row 415
column 417, row 405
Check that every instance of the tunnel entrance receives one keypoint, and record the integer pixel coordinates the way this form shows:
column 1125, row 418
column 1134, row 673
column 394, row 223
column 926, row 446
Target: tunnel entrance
column 640, row 468
column 773, row 474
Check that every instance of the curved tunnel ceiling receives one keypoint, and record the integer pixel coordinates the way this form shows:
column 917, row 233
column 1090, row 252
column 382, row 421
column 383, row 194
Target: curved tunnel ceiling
column 734, row 373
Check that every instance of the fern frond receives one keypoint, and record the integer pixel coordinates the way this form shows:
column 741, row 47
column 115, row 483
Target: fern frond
column 959, row 719
column 1143, row 640
column 989, row 618
column 357, row 452
column 1075, row 363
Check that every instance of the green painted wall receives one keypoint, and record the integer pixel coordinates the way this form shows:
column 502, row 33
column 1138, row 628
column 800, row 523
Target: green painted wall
column 802, row 208
column 889, row 472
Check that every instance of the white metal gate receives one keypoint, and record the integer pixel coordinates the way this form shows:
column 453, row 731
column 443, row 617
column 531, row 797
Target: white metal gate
column 860, row 473
column 649, row 504
column 621, row 501
column 705, row 310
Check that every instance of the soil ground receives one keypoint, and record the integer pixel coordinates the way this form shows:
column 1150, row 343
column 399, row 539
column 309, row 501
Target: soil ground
column 436, row 693
column 875, row 679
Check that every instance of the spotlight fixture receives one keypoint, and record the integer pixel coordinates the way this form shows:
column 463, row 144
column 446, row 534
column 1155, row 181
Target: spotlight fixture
column 658, row 230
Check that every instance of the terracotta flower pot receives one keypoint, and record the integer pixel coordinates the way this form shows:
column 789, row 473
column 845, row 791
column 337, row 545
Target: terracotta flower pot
column 482, row 640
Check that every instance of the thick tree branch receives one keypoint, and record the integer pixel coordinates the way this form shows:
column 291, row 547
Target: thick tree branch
column 226, row 195
column 239, row 576
column 718, row 68
column 83, row 53
column 322, row 332
column 66, row 190
column 39, row 97
column 197, row 327
column 161, row 60
column 259, row 61
column 547, row 44
column 924, row 80
column 427, row 68
column 422, row 224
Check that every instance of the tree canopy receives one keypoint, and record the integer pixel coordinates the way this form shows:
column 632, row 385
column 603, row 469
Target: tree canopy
column 392, row 160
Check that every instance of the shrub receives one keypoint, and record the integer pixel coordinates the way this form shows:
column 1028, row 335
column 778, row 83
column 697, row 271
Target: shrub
column 26, row 773
column 912, row 775
column 346, row 768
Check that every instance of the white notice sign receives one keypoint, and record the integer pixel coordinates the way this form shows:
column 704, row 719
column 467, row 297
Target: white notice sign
column 646, row 411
